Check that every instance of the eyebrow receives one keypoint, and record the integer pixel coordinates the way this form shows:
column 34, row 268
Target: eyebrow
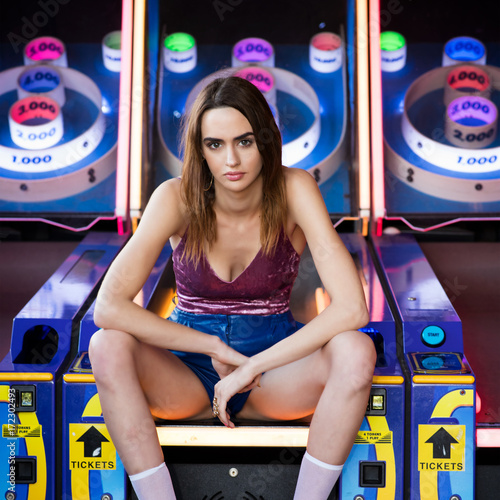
column 238, row 138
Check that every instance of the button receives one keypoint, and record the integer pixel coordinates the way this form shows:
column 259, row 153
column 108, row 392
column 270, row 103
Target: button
column 372, row 474
column 433, row 363
column 25, row 470
column 433, row 336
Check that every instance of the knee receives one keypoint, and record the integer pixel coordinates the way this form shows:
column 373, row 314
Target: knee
column 353, row 358
column 109, row 352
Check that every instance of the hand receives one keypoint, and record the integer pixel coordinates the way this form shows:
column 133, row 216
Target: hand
column 223, row 369
column 240, row 379
column 225, row 360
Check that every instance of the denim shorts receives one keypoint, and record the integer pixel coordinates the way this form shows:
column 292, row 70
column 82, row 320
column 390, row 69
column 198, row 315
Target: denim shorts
column 247, row 334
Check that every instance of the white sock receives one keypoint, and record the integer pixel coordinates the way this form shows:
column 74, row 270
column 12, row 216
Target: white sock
column 153, row 484
column 316, row 479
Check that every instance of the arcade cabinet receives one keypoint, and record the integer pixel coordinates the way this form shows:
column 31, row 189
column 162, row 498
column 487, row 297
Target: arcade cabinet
column 65, row 71
column 436, row 206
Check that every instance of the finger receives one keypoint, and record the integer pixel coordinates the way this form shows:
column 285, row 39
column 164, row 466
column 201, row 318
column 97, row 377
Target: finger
column 255, row 383
column 228, row 422
column 248, row 388
column 224, row 415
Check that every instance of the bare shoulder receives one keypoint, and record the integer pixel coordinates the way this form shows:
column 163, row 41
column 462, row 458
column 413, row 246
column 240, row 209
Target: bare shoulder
column 168, row 191
column 302, row 190
column 165, row 208
column 300, row 184
column 168, row 195
column 297, row 175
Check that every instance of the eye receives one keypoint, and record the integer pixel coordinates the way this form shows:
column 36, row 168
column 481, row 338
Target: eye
column 214, row 145
column 246, row 142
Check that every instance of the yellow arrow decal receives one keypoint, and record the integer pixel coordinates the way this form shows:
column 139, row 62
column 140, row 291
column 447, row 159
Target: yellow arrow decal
column 444, row 409
column 80, row 477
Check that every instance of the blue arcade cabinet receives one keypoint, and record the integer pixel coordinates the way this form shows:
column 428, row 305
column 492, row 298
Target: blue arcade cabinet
column 435, row 233
column 91, row 468
column 64, row 162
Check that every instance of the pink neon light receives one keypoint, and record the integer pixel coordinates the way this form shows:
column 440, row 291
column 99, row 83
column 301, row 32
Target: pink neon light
column 121, row 226
column 478, row 403
column 57, row 224
column 122, row 161
column 430, row 228
column 488, row 438
column 378, row 192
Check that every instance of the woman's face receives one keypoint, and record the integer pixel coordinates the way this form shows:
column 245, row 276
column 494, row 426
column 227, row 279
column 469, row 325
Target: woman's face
column 229, row 147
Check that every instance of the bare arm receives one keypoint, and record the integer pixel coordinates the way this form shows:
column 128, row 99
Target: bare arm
column 115, row 308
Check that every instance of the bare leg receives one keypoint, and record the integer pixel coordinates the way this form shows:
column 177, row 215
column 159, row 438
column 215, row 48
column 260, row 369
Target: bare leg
column 334, row 383
column 342, row 405
column 135, row 380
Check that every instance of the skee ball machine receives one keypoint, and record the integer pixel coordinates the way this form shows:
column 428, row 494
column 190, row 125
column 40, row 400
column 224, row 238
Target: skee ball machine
column 436, row 206
column 65, row 73
column 307, row 65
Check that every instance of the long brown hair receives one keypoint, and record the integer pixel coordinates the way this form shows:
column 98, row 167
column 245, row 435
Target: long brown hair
column 197, row 190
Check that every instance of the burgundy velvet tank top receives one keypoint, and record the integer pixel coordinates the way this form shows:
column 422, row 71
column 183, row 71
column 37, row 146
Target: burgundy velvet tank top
column 264, row 287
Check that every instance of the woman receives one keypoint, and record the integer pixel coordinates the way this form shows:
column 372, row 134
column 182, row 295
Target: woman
column 238, row 221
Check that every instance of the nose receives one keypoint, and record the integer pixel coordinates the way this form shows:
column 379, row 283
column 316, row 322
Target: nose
column 232, row 158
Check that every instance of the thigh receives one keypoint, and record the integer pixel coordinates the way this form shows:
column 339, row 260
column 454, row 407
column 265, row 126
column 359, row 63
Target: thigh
column 292, row 391
column 127, row 368
column 172, row 389
column 287, row 393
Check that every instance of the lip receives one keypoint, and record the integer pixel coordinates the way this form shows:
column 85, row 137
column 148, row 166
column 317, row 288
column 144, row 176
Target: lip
column 234, row 176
